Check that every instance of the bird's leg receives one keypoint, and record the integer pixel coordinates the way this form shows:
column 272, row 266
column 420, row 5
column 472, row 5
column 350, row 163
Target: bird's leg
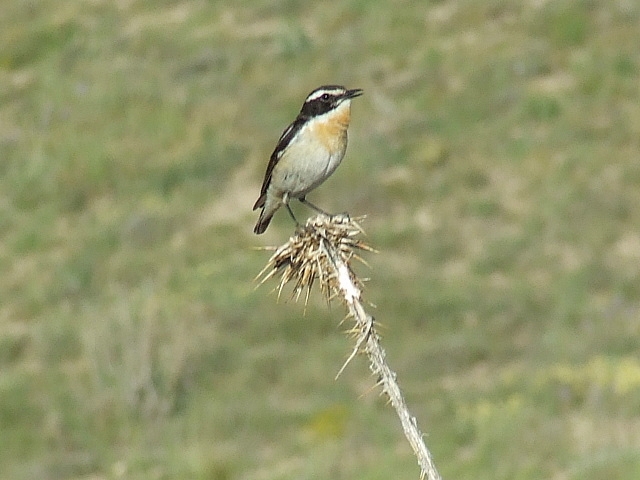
column 285, row 200
column 292, row 215
column 332, row 216
column 312, row 206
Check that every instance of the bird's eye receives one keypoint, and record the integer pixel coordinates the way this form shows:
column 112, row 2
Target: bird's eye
column 325, row 97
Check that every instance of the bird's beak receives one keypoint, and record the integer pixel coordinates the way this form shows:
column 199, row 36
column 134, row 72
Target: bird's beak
column 356, row 92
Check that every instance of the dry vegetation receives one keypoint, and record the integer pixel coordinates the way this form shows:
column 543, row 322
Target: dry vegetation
column 495, row 154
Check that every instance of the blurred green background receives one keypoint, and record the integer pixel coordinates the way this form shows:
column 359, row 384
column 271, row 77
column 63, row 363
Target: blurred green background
column 495, row 153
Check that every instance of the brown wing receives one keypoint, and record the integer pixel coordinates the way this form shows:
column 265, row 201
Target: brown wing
column 284, row 141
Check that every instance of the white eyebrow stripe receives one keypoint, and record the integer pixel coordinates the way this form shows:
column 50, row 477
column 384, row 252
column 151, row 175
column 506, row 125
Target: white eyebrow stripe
column 318, row 93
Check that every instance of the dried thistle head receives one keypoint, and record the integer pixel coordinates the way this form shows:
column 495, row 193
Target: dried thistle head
column 309, row 255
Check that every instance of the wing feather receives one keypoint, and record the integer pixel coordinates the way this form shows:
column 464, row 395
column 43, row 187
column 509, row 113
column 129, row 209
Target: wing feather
column 285, row 139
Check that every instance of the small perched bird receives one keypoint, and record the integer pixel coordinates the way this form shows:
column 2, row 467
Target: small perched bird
column 308, row 152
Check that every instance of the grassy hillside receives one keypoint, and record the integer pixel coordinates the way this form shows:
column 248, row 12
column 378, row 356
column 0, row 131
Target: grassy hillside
column 495, row 153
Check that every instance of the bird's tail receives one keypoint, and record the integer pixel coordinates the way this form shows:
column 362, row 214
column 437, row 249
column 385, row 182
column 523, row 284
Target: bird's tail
column 263, row 220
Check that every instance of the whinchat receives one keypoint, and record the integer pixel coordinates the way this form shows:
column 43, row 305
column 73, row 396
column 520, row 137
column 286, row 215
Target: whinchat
column 308, row 152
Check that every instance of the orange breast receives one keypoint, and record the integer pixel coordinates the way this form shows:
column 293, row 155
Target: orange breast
column 332, row 132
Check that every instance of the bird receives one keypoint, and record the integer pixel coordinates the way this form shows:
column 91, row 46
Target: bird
column 307, row 153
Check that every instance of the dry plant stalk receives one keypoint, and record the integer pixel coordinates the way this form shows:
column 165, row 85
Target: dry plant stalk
column 322, row 250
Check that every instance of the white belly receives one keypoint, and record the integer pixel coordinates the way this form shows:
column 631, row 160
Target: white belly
column 304, row 166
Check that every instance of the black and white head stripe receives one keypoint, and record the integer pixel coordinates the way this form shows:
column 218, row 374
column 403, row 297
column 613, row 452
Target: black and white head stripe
column 331, row 91
column 326, row 98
